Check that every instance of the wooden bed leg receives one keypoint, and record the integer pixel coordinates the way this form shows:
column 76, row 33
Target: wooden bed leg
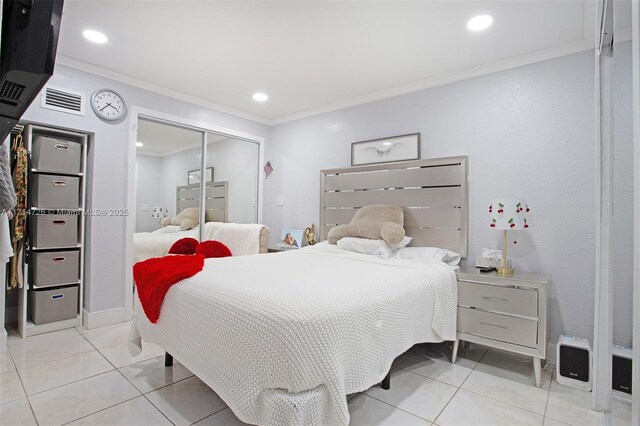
column 386, row 382
column 168, row 359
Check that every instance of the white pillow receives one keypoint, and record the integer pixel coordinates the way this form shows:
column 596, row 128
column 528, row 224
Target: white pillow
column 365, row 246
column 169, row 229
column 369, row 246
column 402, row 244
column 430, row 253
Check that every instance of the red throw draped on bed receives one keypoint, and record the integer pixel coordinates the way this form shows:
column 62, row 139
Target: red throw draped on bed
column 154, row 277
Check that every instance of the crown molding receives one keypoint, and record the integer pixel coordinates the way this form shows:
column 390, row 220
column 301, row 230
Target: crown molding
column 442, row 79
column 132, row 81
column 435, row 81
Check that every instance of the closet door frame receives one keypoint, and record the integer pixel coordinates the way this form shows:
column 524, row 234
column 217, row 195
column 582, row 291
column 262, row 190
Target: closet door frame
column 136, row 113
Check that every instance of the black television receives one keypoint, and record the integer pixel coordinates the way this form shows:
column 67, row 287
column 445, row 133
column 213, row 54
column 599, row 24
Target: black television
column 30, row 30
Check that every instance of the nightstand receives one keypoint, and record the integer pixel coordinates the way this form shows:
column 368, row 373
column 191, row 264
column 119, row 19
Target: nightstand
column 507, row 313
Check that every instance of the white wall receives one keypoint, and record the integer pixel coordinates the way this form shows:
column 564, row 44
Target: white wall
column 528, row 132
column 149, row 191
column 108, row 165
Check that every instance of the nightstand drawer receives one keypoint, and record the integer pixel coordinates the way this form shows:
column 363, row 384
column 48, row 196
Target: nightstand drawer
column 499, row 299
column 518, row 331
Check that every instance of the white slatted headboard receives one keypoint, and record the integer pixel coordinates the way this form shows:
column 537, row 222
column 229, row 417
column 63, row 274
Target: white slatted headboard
column 433, row 193
column 217, row 197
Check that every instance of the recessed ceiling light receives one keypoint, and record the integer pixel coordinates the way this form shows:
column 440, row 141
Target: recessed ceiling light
column 386, row 143
column 260, row 97
column 479, row 23
column 139, row 144
column 95, row 36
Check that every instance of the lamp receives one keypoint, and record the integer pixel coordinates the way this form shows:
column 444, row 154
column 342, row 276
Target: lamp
column 508, row 214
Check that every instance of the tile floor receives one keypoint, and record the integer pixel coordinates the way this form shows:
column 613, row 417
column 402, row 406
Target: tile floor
column 87, row 377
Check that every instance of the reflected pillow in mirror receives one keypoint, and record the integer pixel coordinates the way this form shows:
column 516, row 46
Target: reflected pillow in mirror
column 184, row 246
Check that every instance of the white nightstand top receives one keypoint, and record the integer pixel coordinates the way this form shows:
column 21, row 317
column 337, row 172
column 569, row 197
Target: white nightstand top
column 518, row 279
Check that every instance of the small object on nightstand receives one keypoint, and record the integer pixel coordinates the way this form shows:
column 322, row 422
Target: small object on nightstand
column 310, row 235
column 506, row 313
column 507, row 214
column 485, row 270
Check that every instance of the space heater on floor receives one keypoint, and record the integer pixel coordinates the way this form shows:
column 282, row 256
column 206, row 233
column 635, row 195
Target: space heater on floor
column 574, row 362
column 621, row 373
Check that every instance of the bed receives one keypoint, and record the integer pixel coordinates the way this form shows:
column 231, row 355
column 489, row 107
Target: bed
column 242, row 239
column 282, row 338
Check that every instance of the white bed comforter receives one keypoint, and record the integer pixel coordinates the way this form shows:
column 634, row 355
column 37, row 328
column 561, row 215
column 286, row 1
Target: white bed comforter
column 241, row 238
column 282, row 338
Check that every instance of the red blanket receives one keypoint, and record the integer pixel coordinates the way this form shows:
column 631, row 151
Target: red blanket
column 154, row 277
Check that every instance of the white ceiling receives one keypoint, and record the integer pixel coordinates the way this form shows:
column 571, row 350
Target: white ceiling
column 161, row 139
column 314, row 56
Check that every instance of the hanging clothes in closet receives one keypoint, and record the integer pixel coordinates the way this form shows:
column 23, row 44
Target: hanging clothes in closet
column 20, row 180
column 7, row 203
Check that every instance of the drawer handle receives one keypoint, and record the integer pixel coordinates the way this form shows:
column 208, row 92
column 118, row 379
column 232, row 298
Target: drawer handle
column 61, row 147
column 59, row 222
column 60, row 183
column 495, row 299
column 57, row 259
column 57, row 296
column 501, row 327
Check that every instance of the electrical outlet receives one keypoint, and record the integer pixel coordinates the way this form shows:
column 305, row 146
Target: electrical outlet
column 280, row 200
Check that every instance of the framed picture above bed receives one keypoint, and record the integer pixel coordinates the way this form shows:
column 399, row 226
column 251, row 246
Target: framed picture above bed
column 386, row 150
column 193, row 176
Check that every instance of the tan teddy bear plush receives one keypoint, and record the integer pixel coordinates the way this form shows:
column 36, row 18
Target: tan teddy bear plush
column 376, row 222
column 187, row 219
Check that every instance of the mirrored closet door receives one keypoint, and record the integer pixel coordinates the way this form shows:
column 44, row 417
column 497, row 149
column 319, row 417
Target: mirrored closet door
column 234, row 162
column 186, row 176
column 168, row 161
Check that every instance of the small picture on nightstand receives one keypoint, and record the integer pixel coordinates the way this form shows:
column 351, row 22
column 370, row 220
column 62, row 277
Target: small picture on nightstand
column 290, row 238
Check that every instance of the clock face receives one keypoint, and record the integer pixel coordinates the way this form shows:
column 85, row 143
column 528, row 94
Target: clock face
column 108, row 105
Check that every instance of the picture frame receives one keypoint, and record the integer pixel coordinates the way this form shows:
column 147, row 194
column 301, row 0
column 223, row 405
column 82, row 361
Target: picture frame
column 290, row 239
column 193, row 176
column 386, row 150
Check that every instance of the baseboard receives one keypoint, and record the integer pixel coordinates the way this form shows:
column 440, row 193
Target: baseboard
column 103, row 318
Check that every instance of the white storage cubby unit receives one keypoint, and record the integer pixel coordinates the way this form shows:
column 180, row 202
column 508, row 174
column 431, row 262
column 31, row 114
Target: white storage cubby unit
column 53, row 267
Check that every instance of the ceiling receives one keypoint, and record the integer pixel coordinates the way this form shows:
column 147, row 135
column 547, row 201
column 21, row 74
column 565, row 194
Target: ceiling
column 314, row 56
column 161, row 139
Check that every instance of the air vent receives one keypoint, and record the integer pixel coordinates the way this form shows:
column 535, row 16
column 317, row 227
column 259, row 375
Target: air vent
column 64, row 100
column 11, row 91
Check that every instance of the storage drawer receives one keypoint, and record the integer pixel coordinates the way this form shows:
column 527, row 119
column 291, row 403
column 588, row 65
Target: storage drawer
column 52, row 230
column 55, row 267
column 508, row 329
column 56, row 155
column 56, row 304
column 55, row 192
column 499, row 299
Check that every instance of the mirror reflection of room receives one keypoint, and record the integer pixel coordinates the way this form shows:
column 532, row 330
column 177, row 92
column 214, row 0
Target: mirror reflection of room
column 235, row 161
column 164, row 156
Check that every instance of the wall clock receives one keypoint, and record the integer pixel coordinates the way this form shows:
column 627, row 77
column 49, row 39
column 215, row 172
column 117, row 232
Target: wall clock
column 108, row 105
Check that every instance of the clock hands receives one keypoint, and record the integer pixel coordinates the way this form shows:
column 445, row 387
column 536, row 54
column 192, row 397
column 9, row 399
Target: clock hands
column 108, row 105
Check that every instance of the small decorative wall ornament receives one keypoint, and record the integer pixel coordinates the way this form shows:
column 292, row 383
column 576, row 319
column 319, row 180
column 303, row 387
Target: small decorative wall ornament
column 160, row 212
column 268, row 169
column 310, row 234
